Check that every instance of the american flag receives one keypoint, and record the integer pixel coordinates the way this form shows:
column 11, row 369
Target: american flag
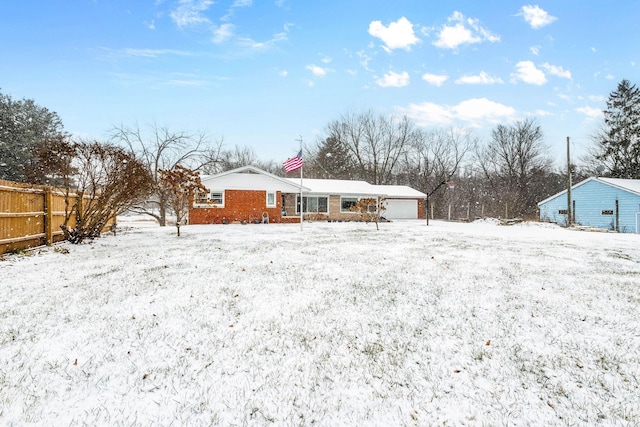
column 293, row 163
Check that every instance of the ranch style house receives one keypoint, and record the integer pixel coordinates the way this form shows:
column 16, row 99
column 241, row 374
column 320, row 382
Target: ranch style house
column 252, row 195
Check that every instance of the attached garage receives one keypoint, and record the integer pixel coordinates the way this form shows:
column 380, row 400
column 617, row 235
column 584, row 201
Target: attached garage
column 400, row 209
column 402, row 202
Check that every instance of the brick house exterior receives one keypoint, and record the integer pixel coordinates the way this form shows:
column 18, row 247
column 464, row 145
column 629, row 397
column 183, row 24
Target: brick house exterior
column 240, row 205
column 251, row 195
column 246, row 194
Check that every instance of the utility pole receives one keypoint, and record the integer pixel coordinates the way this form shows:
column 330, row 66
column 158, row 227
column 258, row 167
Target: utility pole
column 569, row 213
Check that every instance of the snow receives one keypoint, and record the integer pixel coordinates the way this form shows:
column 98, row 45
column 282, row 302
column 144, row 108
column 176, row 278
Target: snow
column 337, row 324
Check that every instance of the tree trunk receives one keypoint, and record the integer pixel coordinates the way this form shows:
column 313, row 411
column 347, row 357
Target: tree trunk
column 163, row 214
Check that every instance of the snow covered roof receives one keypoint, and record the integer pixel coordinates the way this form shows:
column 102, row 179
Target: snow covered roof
column 400, row 191
column 249, row 178
column 358, row 188
column 253, row 178
column 337, row 186
column 632, row 185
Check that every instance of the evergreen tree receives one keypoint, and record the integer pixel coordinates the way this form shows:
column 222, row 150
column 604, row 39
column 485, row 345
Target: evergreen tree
column 331, row 160
column 27, row 130
column 620, row 140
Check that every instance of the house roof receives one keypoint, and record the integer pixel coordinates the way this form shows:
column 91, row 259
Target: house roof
column 631, row 185
column 337, row 186
column 253, row 178
column 359, row 188
column 401, row 192
column 249, row 178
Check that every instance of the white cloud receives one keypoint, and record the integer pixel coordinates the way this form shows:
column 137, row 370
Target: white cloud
column 317, row 71
column 429, row 114
column 392, row 79
column 535, row 16
column 593, row 113
column 398, row 35
column 265, row 45
column 482, row 78
column 474, row 112
column 535, row 50
column 190, row 12
column 435, row 79
column 463, row 31
column 364, row 60
column 528, row 73
column 557, row 71
column 242, row 3
column 223, row 33
column 283, row 73
column 451, row 37
column 479, row 110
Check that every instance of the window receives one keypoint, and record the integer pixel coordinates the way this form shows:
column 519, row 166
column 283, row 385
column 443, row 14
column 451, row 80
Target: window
column 271, row 200
column 313, row 204
column 215, row 198
column 346, row 203
column 607, row 212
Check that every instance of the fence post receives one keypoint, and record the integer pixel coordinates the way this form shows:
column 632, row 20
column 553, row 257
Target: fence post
column 48, row 216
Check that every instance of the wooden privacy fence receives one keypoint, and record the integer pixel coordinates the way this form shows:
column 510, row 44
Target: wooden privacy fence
column 30, row 215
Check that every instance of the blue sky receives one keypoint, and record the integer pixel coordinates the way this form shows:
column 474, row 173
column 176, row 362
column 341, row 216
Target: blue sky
column 263, row 73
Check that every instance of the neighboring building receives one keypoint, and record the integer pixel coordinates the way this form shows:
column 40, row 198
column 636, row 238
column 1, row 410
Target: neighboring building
column 250, row 194
column 607, row 203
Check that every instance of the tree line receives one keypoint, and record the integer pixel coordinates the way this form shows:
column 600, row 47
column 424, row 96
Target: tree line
column 464, row 177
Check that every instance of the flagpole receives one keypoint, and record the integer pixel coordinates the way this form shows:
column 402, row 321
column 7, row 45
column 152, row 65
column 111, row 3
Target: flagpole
column 301, row 202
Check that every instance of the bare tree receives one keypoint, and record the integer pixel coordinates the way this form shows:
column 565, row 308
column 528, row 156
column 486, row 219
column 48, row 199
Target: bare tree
column 433, row 160
column 180, row 184
column 376, row 143
column 162, row 149
column 512, row 163
column 108, row 181
column 235, row 158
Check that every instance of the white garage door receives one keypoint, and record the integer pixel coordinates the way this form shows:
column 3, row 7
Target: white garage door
column 401, row 209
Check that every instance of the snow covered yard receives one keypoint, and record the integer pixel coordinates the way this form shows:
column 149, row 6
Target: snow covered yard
column 447, row 324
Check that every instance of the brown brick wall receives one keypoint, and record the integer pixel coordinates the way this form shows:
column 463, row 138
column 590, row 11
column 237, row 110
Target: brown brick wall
column 422, row 213
column 239, row 205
